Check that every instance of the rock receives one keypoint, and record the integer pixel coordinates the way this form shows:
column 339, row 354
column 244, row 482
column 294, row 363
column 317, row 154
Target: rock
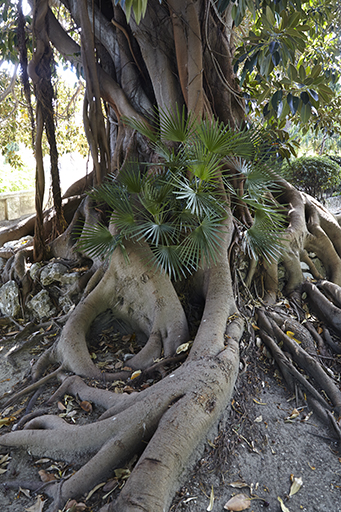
column 66, row 303
column 41, row 306
column 69, row 279
column 34, row 269
column 51, row 273
column 9, row 299
column 14, row 245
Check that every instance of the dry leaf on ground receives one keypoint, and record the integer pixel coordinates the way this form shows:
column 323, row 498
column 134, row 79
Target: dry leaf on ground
column 283, row 507
column 210, row 506
column 46, row 477
column 38, row 506
column 296, row 485
column 238, row 502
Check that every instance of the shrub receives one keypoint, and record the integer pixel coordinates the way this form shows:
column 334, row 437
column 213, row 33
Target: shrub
column 314, row 175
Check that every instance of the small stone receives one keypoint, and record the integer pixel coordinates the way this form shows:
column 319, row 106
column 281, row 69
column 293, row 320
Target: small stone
column 41, row 306
column 9, row 299
column 51, row 273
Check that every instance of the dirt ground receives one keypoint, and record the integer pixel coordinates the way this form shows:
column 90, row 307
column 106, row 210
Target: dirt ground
column 256, row 445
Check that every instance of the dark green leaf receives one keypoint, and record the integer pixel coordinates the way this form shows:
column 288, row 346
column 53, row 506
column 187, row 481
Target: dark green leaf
column 304, row 97
column 293, row 102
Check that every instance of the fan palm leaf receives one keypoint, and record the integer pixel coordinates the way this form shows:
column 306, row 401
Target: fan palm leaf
column 264, row 238
column 97, row 241
column 203, row 243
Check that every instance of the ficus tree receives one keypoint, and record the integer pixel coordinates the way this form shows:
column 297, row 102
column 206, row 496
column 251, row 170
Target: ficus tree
column 184, row 185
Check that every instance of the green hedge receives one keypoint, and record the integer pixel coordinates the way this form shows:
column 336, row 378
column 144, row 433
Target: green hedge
column 314, row 175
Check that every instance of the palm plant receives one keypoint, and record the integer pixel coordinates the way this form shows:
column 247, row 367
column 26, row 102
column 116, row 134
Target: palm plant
column 179, row 206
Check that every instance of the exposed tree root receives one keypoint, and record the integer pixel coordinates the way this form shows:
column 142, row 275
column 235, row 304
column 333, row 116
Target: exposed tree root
column 136, row 294
column 294, row 345
column 172, row 416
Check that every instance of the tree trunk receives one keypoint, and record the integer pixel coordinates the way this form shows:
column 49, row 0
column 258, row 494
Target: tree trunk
column 180, row 54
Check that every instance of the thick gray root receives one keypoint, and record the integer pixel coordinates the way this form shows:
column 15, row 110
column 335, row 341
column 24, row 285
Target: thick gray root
column 136, row 294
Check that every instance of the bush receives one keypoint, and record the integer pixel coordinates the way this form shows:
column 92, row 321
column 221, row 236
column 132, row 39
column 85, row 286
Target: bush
column 314, row 175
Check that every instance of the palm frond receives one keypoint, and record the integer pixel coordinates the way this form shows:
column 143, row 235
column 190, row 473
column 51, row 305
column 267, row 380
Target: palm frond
column 212, row 135
column 97, row 241
column 130, row 177
column 144, row 127
column 203, row 164
column 203, row 243
column 200, row 198
column 175, row 126
column 220, row 139
column 167, row 259
column 157, row 233
column 264, row 238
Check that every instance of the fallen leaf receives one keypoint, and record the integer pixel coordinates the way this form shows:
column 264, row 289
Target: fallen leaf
column 86, row 406
column 73, row 506
column 38, row 506
column 294, row 414
column 127, row 337
column 291, row 335
column 46, row 477
column 6, row 421
column 5, row 458
column 238, row 484
column 26, row 492
column 42, row 461
column 182, row 348
column 210, row 506
column 61, row 406
column 295, row 486
column 283, row 507
column 259, row 403
column 94, row 490
column 135, row 374
column 190, row 499
column 110, row 485
column 70, row 505
column 238, row 502
column 122, row 473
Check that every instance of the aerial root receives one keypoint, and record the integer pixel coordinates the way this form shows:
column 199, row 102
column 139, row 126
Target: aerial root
column 272, row 334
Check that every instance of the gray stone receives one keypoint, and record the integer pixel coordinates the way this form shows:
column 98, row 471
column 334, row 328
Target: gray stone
column 41, row 306
column 34, row 269
column 69, row 278
column 51, row 273
column 66, row 303
column 14, row 245
column 9, row 299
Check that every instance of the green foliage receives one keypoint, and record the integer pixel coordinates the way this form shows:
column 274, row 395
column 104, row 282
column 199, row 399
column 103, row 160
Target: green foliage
column 137, row 6
column 179, row 205
column 314, row 175
column 286, row 63
column 15, row 126
column 12, row 180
